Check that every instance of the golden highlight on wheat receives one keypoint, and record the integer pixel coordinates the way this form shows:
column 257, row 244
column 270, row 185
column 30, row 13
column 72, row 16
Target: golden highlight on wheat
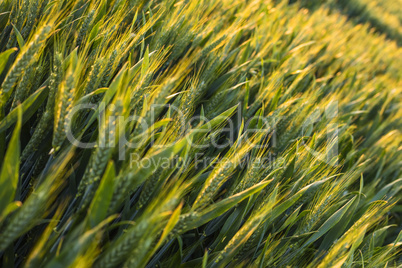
column 164, row 133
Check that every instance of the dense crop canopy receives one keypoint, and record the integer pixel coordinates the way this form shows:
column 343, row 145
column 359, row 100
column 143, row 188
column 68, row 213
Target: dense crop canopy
column 200, row 133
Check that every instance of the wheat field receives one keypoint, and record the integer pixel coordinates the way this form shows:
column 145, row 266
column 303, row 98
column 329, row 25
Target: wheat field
column 231, row 133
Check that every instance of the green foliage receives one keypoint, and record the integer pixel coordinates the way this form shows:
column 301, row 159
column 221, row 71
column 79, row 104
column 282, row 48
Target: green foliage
column 308, row 175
